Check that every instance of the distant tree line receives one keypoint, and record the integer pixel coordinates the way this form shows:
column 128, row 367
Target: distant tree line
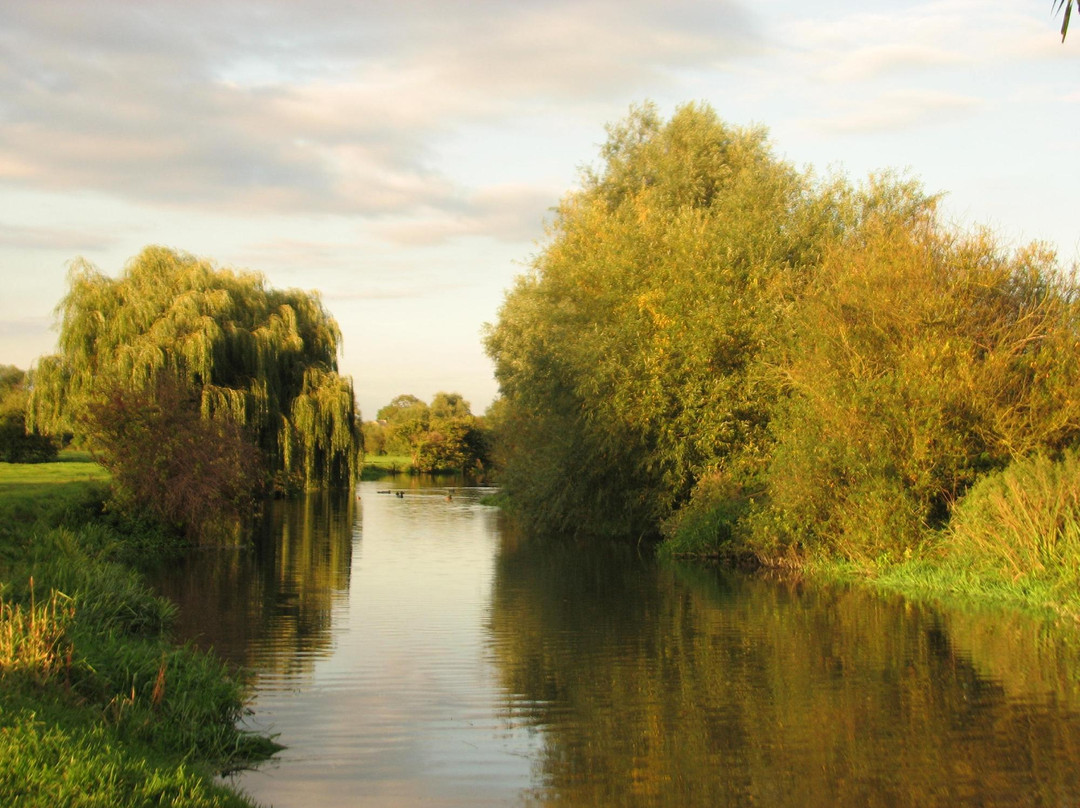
column 722, row 349
column 437, row 437
column 17, row 445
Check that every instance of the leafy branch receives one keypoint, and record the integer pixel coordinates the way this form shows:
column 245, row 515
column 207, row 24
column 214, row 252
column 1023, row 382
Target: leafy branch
column 1068, row 13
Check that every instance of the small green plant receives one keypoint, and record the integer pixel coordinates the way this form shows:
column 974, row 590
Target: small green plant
column 707, row 524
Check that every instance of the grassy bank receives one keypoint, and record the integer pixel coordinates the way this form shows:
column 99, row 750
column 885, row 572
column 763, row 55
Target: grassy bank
column 379, row 466
column 1012, row 540
column 97, row 706
column 960, row 584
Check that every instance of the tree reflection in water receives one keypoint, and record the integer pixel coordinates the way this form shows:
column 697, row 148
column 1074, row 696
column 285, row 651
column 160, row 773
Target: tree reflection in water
column 684, row 685
column 624, row 682
column 268, row 606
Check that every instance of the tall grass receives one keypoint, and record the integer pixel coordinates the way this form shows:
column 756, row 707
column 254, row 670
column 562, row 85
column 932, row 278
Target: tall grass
column 33, row 638
column 1013, row 541
column 1023, row 521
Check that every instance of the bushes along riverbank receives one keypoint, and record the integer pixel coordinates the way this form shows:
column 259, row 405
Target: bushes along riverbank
column 747, row 360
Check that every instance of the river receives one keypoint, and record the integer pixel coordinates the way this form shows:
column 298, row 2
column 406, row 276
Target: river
column 409, row 648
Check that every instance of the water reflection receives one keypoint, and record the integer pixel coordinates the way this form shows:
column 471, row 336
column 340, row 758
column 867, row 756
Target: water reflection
column 268, row 606
column 416, row 650
column 692, row 686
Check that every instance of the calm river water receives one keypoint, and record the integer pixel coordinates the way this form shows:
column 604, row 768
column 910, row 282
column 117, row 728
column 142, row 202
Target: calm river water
column 412, row 650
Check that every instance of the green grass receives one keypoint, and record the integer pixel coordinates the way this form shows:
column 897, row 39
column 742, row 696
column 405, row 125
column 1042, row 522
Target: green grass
column 97, row 706
column 378, row 466
column 51, row 758
column 32, row 491
column 960, row 584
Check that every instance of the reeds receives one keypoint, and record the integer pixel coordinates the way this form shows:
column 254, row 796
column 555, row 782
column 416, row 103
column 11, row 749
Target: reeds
column 33, row 638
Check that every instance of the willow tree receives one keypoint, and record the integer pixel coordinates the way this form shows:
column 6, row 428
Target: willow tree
column 259, row 358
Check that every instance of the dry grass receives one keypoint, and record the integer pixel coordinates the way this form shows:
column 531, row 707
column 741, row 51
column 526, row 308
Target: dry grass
column 33, row 637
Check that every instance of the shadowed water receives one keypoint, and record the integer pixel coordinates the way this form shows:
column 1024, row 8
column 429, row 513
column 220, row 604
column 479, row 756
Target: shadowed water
column 414, row 651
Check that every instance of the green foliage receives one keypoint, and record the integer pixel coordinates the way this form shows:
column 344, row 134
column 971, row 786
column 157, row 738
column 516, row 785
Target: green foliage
column 716, row 346
column 374, row 440
column 442, row 437
column 96, row 706
column 1023, row 521
column 16, row 444
column 77, row 764
column 406, row 419
column 627, row 355
column 914, row 360
column 260, row 358
column 708, row 523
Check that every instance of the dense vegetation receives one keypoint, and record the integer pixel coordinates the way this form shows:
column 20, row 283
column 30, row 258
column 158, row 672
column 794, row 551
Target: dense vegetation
column 441, row 437
column 651, row 683
column 16, row 444
column 175, row 340
column 198, row 389
column 752, row 360
column 97, row 706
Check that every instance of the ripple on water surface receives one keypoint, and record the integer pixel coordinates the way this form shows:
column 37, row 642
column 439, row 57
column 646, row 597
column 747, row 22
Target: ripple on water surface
column 414, row 651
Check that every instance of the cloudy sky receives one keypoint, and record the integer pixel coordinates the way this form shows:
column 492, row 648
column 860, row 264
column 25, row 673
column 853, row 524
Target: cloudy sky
column 401, row 157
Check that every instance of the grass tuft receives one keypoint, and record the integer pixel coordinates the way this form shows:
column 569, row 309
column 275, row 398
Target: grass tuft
column 33, row 638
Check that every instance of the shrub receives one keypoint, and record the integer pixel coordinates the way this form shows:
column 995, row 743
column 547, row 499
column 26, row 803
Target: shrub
column 198, row 475
column 1023, row 520
column 707, row 524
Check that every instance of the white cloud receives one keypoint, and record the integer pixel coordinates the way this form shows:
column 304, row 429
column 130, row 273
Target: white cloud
column 506, row 212
column 898, row 110
column 865, row 63
column 328, row 106
column 52, row 238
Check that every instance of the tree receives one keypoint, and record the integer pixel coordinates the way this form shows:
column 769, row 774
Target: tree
column 449, row 405
column 16, row 444
column 915, row 360
column 261, row 359
column 197, row 475
column 626, row 355
column 407, row 419
column 442, row 436
column 716, row 346
column 374, row 438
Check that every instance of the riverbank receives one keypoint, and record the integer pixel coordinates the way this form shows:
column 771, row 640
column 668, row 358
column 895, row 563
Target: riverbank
column 378, row 466
column 956, row 583
column 935, row 575
column 1012, row 540
column 97, row 705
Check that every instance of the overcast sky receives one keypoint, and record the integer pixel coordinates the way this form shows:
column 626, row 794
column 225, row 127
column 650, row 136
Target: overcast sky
column 401, row 157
